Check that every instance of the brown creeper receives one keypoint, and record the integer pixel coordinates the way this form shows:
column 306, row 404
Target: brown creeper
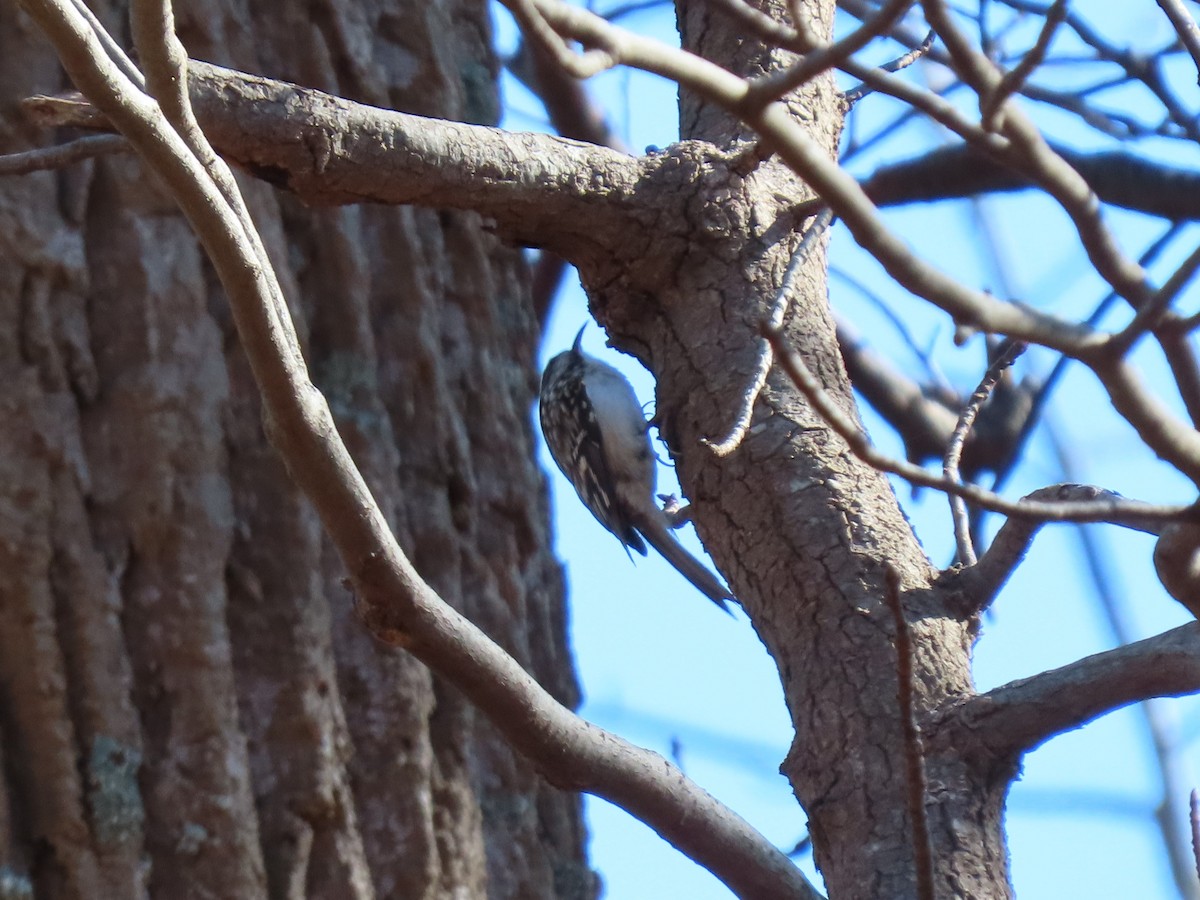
column 593, row 425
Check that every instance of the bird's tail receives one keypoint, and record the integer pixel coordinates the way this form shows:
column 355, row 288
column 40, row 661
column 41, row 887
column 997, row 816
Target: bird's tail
column 659, row 536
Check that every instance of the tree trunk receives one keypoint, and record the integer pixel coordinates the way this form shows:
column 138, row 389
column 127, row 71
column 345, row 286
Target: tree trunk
column 806, row 532
column 189, row 706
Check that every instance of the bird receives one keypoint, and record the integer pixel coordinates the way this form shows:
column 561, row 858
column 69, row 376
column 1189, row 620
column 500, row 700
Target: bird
column 593, row 425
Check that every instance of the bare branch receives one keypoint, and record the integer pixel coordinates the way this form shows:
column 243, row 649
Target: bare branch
column 1044, row 391
column 1029, row 153
column 766, row 356
column 821, row 56
column 165, row 64
column 981, row 583
column 1185, row 27
column 1168, row 436
column 961, row 170
column 1180, row 353
column 574, row 114
column 63, row 155
column 1017, row 717
column 1132, row 64
column 903, row 332
column 1118, row 511
column 856, row 93
column 990, row 104
column 802, row 154
column 332, row 151
column 923, row 419
column 1159, row 728
column 116, row 53
column 534, row 25
column 1150, row 316
column 340, row 152
column 1005, row 357
column 572, row 111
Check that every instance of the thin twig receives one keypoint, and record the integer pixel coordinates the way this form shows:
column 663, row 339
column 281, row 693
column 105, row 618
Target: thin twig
column 914, row 753
column 1129, row 513
column 990, row 105
column 1005, row 357
column 63, row 155
column 907, row 338
column 1150, row 315
column 860, row 90
column 572, row 110
column 779, row 309
column 1044, row 391
column 923, row 417
column 1030, row 154
column 1170, row 438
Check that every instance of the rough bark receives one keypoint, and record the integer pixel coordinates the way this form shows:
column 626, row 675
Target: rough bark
column 189, row 706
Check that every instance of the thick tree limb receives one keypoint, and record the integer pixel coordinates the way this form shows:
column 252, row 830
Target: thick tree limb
column 348, row 152
column 540, row 189
column 962, row 170
column 396, row 603
column 1017, row 717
